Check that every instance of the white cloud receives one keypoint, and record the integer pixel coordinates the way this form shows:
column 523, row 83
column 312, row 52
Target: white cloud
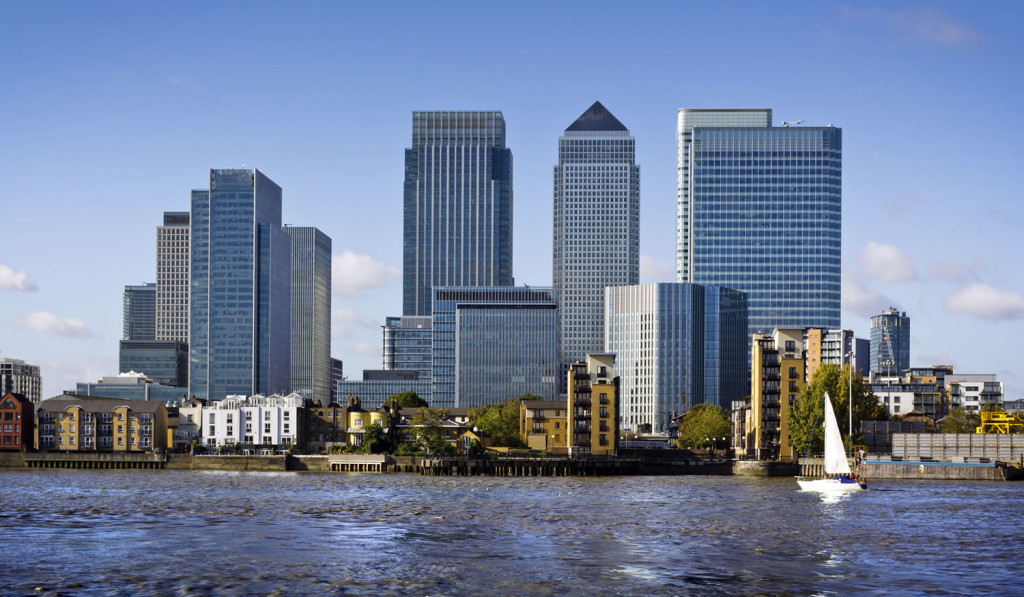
column 12, row 280
column 352, row 274
column 920, row 26
column 887, row 263
column 652, row 270
column 859, row 299
column 346, row 323
column 985, row 302
column 48, row 323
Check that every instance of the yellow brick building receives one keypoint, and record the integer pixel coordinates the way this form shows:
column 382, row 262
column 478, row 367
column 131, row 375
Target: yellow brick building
column 543, row 424
column 73, row 423
column 593, row 406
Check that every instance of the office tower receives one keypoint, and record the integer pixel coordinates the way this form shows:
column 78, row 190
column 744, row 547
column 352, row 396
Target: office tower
column 596, row 225
column 172, row 279
column 677, row 345
column 140, row 312
column 457, row 205
column 686, row 120
column 337, row 375
column 311, row 313
column 490, row 344
column 240, row 306
column 19, row 377
column 407, row 345
column 890, row 342
column 163, row 361
column 760, row 212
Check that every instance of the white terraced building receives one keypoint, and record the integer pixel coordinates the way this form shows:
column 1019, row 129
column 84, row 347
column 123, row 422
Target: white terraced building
column 257, row 424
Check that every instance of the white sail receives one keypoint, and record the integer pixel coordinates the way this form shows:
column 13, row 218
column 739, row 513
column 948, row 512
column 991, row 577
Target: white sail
column 835, row 454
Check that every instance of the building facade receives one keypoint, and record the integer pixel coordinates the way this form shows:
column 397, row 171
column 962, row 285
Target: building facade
column 172, row 277
column 596, row 228
column 163, row 361
column 254, row 424
column 19, row 377
column 677, row 345
column 544, row 424
column 240, row 305
column 593, row 407
column 311, row 313
column 890, row 343
column 131, row 386
column 835, row 347
column 17, row 422
column 491, row 344
column 763, row 215
column 71, row 423
column 407, row 344
column 777, row 376
column 457, row 205
column 974, row 391
column 140, row 312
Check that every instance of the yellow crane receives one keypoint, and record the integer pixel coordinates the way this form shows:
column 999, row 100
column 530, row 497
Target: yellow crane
column 998, row 421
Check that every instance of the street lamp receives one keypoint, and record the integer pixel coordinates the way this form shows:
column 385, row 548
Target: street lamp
column 849, row 361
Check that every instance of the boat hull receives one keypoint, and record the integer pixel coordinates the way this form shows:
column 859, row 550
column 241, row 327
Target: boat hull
column 831, row 485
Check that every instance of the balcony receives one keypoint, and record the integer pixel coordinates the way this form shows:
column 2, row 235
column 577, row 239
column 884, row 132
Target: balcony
column 539, row 416
column 581, row 401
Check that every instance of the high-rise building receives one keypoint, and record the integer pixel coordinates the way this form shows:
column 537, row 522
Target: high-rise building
column 677, row 345
column 407, row 344
column 760, row 211
column 491, row 344
column 172, row 279
column 163, row 361
column 457, row 205
column 596, row 231
column 140, row 312
column 19, row 377
column 240, row 305
column 311, row 313
column 890, row 342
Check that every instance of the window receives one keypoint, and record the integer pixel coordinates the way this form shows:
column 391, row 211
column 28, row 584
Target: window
column 266, row 428
column 790, row 345
column 213, row 431
column 792, row 371
column 604, row 411
column 213, row 419
column 793, row 387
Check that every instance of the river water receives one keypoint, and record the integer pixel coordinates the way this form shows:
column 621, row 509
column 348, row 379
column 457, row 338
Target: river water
column 204, row 533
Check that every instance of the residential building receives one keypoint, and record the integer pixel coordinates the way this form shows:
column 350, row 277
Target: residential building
column 19, row 377
column 835, row 347
column 163, row 361
column 457, row 205
column 407, row 344
column 172, row 277
column 890, row 342
column 686, row 121
column 493, row 343
column 760, row 211
column 254, row 424
column 130, row 386
column 240, row 304
column 17, row 422
column 188, row 430
column 544, row 424
column 593, row 406
column 677, row 345
column 596, row 231
column 74, row 423
column 921, row 389
column 778, row 374
column 140, row 312
column 311, row 313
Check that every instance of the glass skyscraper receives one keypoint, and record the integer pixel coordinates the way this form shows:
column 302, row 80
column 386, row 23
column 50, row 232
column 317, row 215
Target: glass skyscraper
column 763, row 206
column 407, row 344
column 140, row 312
column 457, row 205
column 677, row 345
column 890, row 342
column 311, row 313
column 490, row 344
column 596, row 225
column 240, row 305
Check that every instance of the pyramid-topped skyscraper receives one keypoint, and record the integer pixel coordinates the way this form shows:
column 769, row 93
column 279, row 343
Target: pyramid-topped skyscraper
column 596, row 225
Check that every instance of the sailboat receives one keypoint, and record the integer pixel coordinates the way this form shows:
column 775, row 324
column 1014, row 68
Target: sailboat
column 835, row 461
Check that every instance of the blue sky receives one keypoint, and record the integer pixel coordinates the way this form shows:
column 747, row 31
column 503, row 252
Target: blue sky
column 112, row 111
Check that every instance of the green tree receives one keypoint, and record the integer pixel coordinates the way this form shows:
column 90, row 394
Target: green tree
column 700, row 424
column 500, row 422
column 407, row 400
column 375, row 441
column 960, row 421
column 428, row 432
column 805, row 415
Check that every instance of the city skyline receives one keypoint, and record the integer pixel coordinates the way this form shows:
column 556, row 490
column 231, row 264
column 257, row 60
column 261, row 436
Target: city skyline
column 102, row 127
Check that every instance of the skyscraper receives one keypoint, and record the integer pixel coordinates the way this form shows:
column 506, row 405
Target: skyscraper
column 596, row 225
column 760, row 211
column 140, row 312
column 21, row 378
column 311, row 313
column 458, row 205
column 890, row 342
column 172, row 279
column 240, row 305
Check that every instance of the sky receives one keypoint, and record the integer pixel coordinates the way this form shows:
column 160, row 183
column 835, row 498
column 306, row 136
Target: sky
column 111, row 112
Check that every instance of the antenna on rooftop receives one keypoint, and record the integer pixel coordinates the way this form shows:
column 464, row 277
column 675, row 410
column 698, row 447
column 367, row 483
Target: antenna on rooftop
column 793, row 122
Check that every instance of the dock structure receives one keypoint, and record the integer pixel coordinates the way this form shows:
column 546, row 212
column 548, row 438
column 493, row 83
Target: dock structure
column 112, row 460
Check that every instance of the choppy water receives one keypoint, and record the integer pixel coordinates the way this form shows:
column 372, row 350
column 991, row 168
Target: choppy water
column 195, row 533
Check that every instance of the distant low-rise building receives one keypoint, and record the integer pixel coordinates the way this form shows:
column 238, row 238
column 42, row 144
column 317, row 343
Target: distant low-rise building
column 73, row 423
column 543, row 424
column 973, row 392
column 254, row 424
column 131, row 386
column 17, row 422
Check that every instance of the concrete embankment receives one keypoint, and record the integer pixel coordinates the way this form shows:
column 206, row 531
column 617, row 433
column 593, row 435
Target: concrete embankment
column 953, row 471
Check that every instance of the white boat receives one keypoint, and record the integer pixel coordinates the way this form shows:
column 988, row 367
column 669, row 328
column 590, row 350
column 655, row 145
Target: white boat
column 835, row 461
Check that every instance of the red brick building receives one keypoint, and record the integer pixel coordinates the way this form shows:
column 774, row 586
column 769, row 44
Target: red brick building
column 17, row 422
